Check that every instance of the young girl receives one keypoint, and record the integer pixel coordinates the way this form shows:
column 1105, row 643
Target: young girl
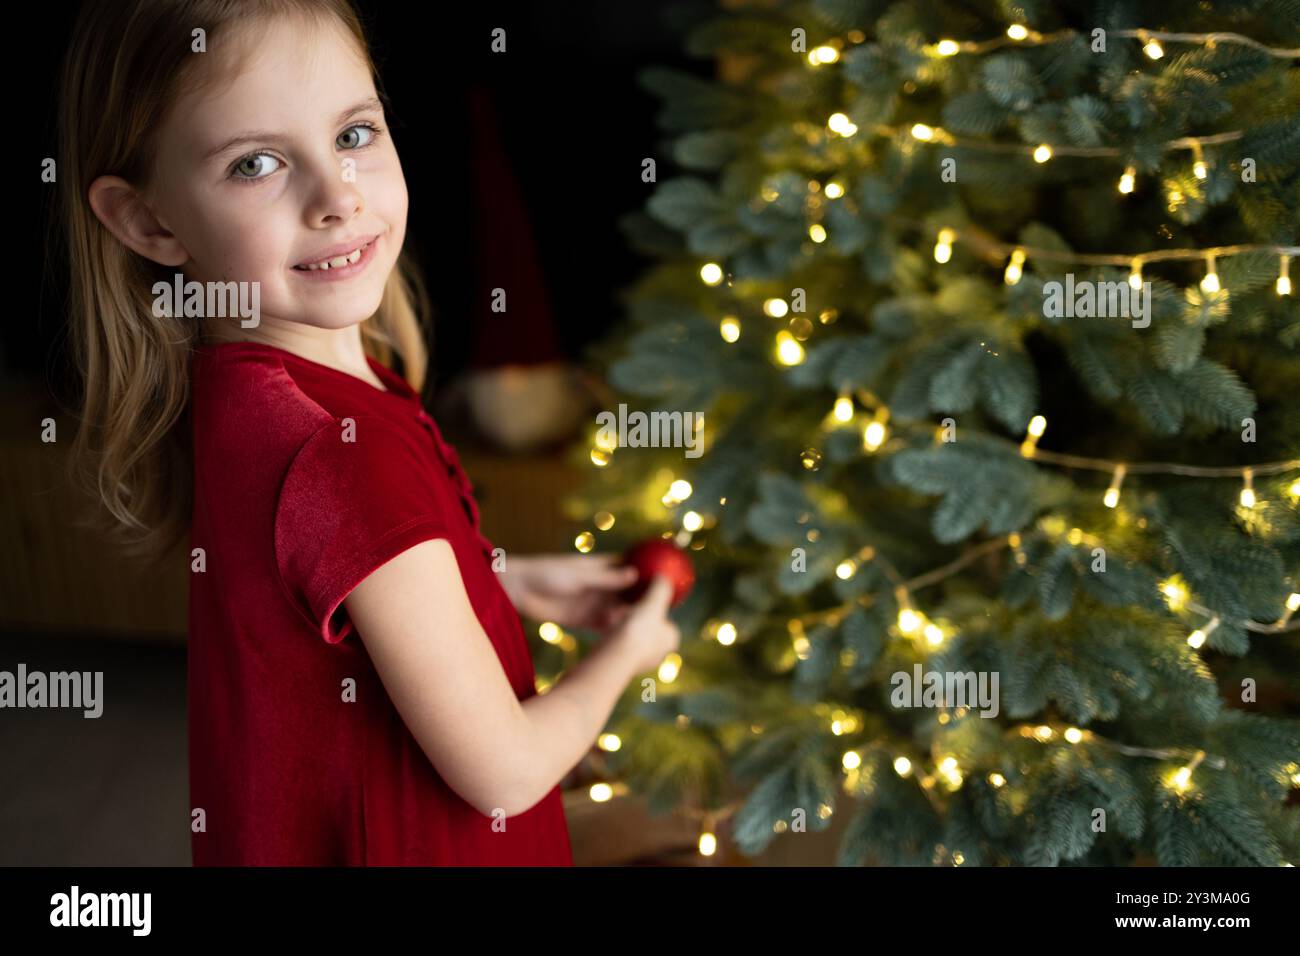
column 360, row 689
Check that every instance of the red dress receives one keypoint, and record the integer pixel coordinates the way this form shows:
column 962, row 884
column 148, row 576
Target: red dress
column 291, row 516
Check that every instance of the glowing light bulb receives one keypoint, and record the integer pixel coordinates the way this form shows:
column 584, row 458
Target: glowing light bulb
column 817, row 232
column 1210, row 283
column 851, row 760
column 1127, row 180
column 1017, row 31
column 726, row 633
column 1181, row 781
column 843, row 411
column 1293, row 602
column 1037, row 425
column 1042, row 153
column 902, row 766
column 997, row 780
column 1153, row 49
column 600, row 792
column 788, row 350
column 1175, row 593
column 908, row 620
column 1247, row 496
column 840, row 123
column 1073, row 734
column 1200, row 170
column 711, row 273
column 680, row 490
column 922, row 132
column 729, row 329
column 585, row 542
column 824, row 54
column 1135, row 275
column 1015, row 268
column 609, row 742
column 670, row 668
column 933, row 634
column 873, row 436
column 845, row 569
column 776, row 308
column 1284, row 276
column 834, row 190
column 943, row 246
column 1111, row 498
column 947, row 48
column 708, row 844
column 692, row 521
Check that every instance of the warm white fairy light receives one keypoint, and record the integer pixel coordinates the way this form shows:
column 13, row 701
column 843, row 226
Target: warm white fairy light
column 834, row 190
column 841, row 124
column 1284, row 276
column 817, row 232
column 1042, row 153
column 1199, row 169
column 843, row 410
column 1111, row 498
column 1017, row 31
column 1135, row 275
column 823, row 54
column 788, row 349
column 726, row 634
column 947, row 47
column 943, row 246
column 1127, row 180
column 922, row 132
column 1247, row 496
column 776, row 308
column 729, row 328
column 902, row 766
column 1198, row 636
column 1153, row 49
column 708, row 844
column 1015, row 267
column 1037, row 425
column 711, row 273
column 846, row 569
column 1210, row 283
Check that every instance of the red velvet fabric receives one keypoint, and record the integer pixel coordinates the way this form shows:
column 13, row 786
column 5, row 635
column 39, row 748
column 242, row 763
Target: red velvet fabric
column 291, row 517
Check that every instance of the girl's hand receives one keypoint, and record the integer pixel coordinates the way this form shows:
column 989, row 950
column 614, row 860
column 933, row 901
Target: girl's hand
column 573, row 590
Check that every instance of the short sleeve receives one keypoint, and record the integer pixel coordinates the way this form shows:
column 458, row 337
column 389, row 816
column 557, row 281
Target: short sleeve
column 347, row 507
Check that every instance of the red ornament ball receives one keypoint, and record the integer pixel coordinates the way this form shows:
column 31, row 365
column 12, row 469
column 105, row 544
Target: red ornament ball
column 659, row 556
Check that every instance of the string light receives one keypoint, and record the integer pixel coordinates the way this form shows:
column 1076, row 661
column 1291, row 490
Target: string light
column 947, row 48
column 922, row 132
column 1017, row 31
column 1135, row 275
column 902, row 766
column 1284, row 276
column 874, row 435
column 1247, row 496
column 823, row 54
column 1175, row 593
column 843, row 410
column 708, row 844
column 1153, row 49
column 1127, row 180
column 1199, row 169
column 729, row 329
column 1210, row 283
column 776, row 308
column 711, row 273
column 840, row 123
column 1111, row 498
column 1042, row 153
column 909, row 622
column 788, row 350
column 1198, row 636
column 943, row 246
column 1037, row 425
column 1014, row 267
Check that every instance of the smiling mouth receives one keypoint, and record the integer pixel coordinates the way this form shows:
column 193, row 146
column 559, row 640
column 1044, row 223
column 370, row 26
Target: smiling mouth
column 335, row 262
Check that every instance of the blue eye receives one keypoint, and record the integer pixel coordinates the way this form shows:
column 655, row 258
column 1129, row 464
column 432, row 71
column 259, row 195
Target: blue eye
column 251, row 167
column 357, row 137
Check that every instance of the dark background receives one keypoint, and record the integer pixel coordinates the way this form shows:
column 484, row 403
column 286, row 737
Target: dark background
column 574, row 123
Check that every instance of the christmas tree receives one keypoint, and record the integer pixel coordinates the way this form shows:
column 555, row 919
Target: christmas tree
column 987, row 310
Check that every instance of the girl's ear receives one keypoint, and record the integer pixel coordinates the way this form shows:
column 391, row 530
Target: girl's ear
column 122, row 210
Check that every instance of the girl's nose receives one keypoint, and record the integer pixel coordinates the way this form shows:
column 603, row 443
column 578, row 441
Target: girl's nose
column 335, row 199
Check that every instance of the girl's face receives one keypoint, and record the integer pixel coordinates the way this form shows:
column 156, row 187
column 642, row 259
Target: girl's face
column 289, row 163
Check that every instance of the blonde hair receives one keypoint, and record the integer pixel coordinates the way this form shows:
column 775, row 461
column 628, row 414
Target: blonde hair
column 128, row 61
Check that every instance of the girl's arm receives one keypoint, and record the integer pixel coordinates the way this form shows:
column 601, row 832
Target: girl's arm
column 443, row 675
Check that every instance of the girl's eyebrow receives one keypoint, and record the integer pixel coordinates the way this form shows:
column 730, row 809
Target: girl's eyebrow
column 262, row 136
